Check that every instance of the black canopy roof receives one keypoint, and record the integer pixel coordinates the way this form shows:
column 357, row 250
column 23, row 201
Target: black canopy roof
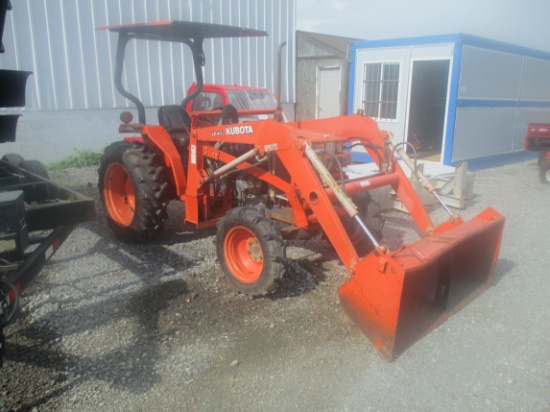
column 177, row 31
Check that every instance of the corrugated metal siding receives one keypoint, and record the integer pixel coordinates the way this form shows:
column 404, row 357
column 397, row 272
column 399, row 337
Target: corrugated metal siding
column 73, row 63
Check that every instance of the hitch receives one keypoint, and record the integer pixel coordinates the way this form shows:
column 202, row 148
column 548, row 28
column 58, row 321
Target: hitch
column 2, row 347
column 7, row 311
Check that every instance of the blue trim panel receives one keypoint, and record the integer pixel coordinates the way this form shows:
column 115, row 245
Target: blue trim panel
column 452, row 105
column 408, row 41
column 361, row 157
column 451, row 38
column 503, row 47
column 500, row 103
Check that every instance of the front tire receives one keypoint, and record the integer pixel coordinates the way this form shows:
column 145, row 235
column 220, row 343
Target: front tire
column 133, row 192
column 545, row 171
column 250, row 251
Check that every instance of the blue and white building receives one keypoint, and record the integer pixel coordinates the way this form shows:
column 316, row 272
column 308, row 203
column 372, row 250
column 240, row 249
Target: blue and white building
column 459, row 97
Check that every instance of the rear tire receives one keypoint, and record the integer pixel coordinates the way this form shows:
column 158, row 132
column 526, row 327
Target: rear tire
column 250, row 251
column 34, row 166
column 541, row 158
column 40, row 193
column 13, row 159
column 545, row 171
column 133, row 192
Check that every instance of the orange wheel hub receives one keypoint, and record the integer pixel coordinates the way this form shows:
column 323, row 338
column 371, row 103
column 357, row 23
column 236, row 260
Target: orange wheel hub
column 243, row 254
column 118, row 192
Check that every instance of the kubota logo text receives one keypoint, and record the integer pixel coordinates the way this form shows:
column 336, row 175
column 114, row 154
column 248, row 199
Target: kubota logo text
column 235, row 130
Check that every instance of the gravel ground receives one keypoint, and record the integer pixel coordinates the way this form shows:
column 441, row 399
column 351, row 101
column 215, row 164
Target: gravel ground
column 112, row 326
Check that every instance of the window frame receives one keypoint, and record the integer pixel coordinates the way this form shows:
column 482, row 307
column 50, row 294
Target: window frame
column 383, row 103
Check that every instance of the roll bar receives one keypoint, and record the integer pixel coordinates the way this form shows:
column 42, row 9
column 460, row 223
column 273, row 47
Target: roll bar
column 190, row 33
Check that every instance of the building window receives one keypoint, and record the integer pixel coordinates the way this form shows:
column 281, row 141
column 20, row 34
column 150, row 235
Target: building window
column 380, row 84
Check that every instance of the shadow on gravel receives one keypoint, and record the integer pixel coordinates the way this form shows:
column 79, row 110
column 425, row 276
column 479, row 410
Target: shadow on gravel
column 504, row 266
column 175, row 229
column 302, row 276
column 131, row 368
column 173, row 237
column 148, row 263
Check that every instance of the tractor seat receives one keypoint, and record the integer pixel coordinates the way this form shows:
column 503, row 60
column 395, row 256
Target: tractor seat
column 229, row 115
column 177, row 123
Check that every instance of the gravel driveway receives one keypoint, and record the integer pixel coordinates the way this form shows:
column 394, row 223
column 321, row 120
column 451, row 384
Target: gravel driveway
column 112, row 326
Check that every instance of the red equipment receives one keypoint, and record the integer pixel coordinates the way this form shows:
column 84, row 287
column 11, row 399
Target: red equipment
column 263, row 182
column 538, row 139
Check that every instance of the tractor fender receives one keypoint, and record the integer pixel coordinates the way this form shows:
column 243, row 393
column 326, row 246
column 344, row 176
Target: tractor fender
column 172, row 159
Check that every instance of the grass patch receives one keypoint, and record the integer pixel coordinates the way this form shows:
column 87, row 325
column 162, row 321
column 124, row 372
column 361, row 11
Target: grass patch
column 82, row 158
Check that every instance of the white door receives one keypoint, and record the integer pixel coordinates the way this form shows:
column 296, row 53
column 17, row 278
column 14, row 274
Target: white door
column 328, row 92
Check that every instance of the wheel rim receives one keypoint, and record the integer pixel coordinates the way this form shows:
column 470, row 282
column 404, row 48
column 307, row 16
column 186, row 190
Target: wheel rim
column 243, row 254
column 118, row 192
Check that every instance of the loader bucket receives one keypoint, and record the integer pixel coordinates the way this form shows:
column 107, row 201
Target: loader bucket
column 399, row 297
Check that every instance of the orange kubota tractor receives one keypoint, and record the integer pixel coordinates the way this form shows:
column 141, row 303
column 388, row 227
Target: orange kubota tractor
column 265, row 181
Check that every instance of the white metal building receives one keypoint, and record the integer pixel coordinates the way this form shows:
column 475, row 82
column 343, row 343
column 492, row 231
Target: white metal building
column 457, row 97
column 71, row 99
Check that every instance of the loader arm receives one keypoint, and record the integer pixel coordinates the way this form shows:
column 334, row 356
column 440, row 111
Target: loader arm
column 395, row 297
column 308, row 184
column 365, row 130
column 398, row 297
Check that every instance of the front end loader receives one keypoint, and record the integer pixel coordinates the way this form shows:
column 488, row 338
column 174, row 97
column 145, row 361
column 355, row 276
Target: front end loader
column 263, row 182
